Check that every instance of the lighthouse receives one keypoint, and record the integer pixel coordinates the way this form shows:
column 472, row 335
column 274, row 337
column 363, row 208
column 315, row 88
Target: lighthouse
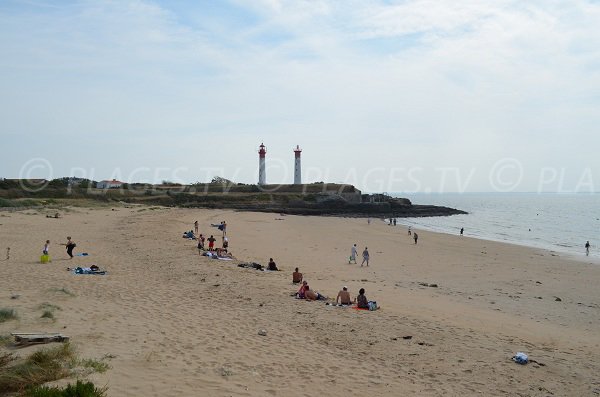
column 262, row 178
column 297, row 169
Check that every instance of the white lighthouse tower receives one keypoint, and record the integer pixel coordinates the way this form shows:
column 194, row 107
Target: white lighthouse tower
column 297, row 168
column 262, row 178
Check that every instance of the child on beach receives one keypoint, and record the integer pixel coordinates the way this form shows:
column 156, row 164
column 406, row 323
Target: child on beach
column 196, row 227
column 46, row 247
column 416, row 237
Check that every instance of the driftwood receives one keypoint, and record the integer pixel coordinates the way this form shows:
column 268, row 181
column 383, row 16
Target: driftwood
column 33, row 338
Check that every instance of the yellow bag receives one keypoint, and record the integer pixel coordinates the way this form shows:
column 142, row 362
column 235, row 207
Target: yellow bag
column 45, row 258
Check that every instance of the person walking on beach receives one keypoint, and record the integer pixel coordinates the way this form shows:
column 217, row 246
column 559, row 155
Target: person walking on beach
column 416, row 237
column 196, row 227
column 462, row 230
column 353, row 254
column 70, row 245
column 587, row 248
column 365, row 257
column 409, row 231
column 394, row 221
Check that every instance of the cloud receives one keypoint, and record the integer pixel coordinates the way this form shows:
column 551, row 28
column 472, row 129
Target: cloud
column 358, row 84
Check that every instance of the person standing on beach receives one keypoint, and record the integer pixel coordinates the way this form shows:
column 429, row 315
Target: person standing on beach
column 211, row 243
column 365, row 257
column 462, row 230
column 46, row 248
column 225, row 243
column 70, row 245
column 587, row 248
column 353, row 254
column 224, row 225
column 409, row 231
column 416, row 237
column 196, row 227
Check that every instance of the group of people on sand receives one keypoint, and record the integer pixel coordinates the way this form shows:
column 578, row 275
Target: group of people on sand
column 221, row 252
column 354, row 254
column 69, row 245
column 343, row 297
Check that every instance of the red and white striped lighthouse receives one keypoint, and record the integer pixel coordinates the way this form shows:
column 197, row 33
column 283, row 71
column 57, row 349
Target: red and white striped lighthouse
column 297, row 169
column 262, row 178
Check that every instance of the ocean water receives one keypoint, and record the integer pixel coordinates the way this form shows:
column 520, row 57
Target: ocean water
column 554, row 221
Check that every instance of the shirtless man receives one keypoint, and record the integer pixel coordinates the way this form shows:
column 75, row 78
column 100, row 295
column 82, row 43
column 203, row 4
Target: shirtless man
column 296, row 277
column 311, row 295
column 344, row 297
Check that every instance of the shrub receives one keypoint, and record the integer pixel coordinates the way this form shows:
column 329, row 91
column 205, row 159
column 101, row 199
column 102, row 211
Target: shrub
column 7, row 314
column 79, row 389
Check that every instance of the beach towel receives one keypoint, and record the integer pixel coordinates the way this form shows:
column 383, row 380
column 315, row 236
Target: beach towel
column 82, row 254
column 87, row 270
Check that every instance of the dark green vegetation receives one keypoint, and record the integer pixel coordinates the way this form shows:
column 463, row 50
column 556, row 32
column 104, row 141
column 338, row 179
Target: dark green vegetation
column 79, row 389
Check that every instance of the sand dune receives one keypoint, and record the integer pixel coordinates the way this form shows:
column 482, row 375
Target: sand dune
column 177, row 324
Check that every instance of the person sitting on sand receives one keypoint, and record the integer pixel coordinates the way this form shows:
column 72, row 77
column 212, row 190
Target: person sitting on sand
column 311, row 295
column 343, row 296
column 361, row 300
column 70, row 244
column 222, row 253
column 302, row 290
column 272, row 266
column 211, row 242
column 296, row 277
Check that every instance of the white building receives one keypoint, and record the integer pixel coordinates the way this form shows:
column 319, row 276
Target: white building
column 109, row 184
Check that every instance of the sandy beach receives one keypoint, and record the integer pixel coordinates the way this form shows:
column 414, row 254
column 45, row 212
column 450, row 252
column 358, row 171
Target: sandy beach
column 177, row 324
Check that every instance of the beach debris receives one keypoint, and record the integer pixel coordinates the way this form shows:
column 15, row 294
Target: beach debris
column 538, row 297
column 557, row 299
column 432, row 285
column 520, row 358
column 15, row 296
column 407, row 337
column 538, row 282
column 262, row 332
column 32, row 338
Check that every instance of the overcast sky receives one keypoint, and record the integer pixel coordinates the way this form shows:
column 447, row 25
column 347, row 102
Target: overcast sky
column 387, row 95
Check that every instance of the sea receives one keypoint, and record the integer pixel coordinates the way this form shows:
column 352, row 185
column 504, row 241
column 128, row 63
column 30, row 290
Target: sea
column 560, row 222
